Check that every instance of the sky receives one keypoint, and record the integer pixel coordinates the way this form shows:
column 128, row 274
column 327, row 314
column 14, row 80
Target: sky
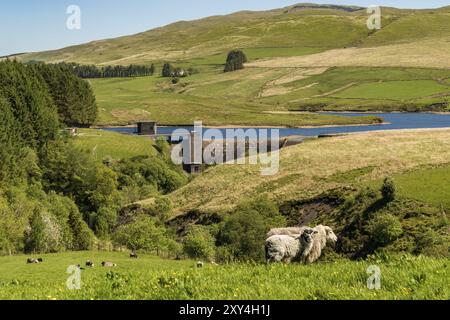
column 30, row 25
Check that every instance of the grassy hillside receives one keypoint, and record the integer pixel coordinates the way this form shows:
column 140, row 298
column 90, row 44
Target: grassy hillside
column 309, row 169
column 300, row 26
column 112, row 145
column 293, row 53
column 217, row 100
column 255, row 96
column 403, row 277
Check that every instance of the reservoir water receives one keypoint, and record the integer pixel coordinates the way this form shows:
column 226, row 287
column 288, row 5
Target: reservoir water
column 394, row 121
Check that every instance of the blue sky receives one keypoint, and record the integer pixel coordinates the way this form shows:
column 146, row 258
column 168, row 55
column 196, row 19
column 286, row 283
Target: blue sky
column 30, row 25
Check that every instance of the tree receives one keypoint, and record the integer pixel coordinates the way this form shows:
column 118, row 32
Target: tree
column 388, row 190
column 73, row 96
column 30, row 103
column 235, row 61
column 244, row 231
column 167, row 70
column 35, row 241
column 143, row 234
column 199, row 243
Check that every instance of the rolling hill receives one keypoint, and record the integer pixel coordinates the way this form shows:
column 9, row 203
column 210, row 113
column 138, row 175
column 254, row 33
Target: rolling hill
column 304, row 57
column 303, row 25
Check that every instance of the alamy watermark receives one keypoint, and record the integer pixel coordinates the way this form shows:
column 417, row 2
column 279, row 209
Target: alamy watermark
column 374, row 20
column 228, row 146
column 374, row 280
column 73, row 22
column 74, row 280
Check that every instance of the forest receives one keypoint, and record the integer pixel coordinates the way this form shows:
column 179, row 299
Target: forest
column 55, row 196
column 117, row 71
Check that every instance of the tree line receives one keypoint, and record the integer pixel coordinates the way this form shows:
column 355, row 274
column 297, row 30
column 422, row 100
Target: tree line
column 92, row 71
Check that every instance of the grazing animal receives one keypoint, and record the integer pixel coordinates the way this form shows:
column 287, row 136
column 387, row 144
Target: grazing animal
column 108, row 264
column 134, row 255
column 200, row 264
column 293, row 231
column 282, row 248
column 34, row 261
column 307, row 240
column 90, row 264
column 314, row 241
column 327, row 235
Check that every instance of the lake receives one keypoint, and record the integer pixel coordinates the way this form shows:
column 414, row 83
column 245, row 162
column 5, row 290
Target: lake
column 394, row 121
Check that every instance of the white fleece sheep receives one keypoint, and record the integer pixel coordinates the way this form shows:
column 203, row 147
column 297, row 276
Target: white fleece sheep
column 293, row 231
column 282, row 248
column 314, row 241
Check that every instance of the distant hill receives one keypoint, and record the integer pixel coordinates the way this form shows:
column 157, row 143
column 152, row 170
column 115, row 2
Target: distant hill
column 322, row 27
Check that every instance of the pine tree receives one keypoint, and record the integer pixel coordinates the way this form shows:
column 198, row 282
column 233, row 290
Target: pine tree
column 167, row 70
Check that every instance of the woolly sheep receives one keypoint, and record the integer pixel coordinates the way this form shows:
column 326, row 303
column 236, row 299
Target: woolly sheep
column 293, row 231
column 107, row 264
column 313, row 242
column 282, row 248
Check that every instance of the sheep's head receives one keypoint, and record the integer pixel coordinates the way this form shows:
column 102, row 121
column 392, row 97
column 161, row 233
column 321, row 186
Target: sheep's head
column 273, row 255
column 331, row 236
column 308, row 236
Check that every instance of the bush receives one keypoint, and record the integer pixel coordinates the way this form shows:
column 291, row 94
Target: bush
column 160, row 208
column 388, row 190
column 244, row 231
column 385, row 229
column 199, row 243
column 426, row 239
column 143, row 234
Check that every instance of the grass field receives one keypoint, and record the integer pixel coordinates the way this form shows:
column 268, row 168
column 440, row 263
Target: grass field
column 116, row 146
column 395, row 90
column 402, row 277
column 250, row 96
column 216, row 99
column 430, row 185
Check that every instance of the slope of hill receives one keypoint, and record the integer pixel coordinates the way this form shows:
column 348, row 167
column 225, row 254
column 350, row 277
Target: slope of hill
column 292, row 55
column 309, row 169
column 302, row 25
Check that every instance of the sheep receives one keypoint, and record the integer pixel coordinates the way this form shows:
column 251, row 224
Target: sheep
column 282, row 248
column 327, row 235
column 310, row 246
column 293, row 231
column 34, row 261
column 314, row 241
column 89, row 264
column 200, row 264
column 134, row 255
column 109, row 264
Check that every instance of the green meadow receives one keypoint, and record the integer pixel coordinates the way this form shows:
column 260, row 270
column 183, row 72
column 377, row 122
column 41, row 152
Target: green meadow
column 112, row 145
column 262, row 96
column 152, row 278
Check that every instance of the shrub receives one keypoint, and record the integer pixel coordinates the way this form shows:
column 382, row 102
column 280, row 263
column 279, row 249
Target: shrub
column 143, row 234
column 388, row 190
column 426, row 239
column 244, row 231
column 160, row 208
column 384, row 229
column 199, row 243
